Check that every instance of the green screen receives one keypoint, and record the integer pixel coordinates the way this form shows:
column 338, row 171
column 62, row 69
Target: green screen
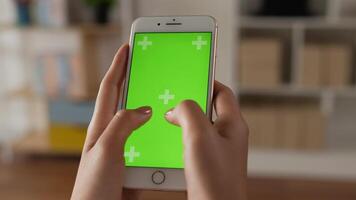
column 166, row 68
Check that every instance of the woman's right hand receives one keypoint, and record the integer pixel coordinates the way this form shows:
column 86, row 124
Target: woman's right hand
column 215, row 154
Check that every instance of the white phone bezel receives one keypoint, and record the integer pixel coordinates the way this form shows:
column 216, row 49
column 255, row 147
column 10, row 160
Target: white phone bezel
column 139, row 177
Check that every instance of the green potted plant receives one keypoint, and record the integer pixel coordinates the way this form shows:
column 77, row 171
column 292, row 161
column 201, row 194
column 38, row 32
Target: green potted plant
column 101, row 9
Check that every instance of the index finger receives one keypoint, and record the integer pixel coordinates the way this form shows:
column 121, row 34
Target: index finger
column 108, row 96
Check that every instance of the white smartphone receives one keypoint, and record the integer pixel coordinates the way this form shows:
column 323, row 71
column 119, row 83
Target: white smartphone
column 171, row 59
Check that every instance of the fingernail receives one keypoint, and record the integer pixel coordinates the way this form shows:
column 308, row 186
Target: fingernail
column 169, row 112
column 146, row 110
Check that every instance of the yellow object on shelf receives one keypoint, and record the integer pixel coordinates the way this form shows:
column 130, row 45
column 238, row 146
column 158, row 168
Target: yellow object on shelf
column 67, row 138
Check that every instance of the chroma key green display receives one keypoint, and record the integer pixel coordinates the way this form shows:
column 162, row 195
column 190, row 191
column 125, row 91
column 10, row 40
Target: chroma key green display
column 166, row 68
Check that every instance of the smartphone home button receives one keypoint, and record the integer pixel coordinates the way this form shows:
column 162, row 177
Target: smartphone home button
column 158, row 177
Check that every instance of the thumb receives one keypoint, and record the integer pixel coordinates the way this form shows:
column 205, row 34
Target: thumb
column 123, row 124
column 190, row 117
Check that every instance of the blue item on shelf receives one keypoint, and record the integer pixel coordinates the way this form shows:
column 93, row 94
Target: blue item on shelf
column 23, row 13
column 66, row 112
column 64, row 73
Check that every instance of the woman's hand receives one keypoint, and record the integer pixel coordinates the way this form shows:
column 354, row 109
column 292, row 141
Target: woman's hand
column 215, row 155
column 101, row 170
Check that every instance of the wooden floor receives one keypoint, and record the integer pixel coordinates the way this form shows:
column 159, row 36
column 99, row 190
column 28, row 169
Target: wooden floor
column 53, row 178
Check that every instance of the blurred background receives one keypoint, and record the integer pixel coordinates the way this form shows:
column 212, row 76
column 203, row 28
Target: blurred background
column 291, row 63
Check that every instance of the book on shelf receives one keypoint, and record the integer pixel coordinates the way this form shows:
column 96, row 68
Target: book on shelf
column 51, row 12
column 68, row 112
column 60, row 75
column 61, row 66
column 311, row 69
column 12, row 60
column 67, row 64
column 326, row 65
column 260, row 63
column 7, row 12
column 314, row 127
column 15, row 120
column 338, row 62
column 67, row 138
column 263, row 124
column 268, row 126
column 51, row 63
column 285, row 125
column 251, row 116
column 22, row 114
column 68, row 123
column 290, row 126
column 347, row 8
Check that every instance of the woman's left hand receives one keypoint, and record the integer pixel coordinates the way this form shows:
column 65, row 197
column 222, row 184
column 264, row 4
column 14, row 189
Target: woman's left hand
column 101, row 170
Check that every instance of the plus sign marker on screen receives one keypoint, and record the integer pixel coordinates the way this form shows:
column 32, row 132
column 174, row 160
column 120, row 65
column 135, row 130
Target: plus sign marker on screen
column 166, row 97
column 166, row 68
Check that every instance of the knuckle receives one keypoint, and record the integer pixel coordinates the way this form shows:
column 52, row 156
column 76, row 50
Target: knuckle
column 188, row 105
column 106, row 82
column 124, row 114
column 127, row 119
column 229, row 91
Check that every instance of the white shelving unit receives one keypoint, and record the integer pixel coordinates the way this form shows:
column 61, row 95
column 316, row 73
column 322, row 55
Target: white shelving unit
column 24, row 117
column 298, row 27
column 333, row 162
column 329, row 165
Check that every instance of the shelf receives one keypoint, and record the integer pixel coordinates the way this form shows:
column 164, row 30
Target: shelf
column 89, row 28
column 20, row 93
column 283, row 91
column 276, row 22
column 38, row 144
column 262, row 163
column 288, row 23
column 296, row 92
column 309, row 165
